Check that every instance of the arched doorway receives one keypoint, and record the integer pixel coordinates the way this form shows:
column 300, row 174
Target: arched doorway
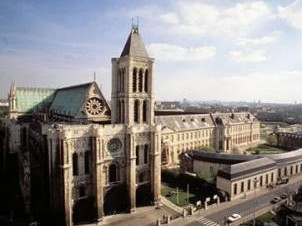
column 143, row 195
column 116, row 200
column 84, row 210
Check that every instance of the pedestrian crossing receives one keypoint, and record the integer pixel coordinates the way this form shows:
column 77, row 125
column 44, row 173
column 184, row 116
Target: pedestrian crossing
column 206, row 222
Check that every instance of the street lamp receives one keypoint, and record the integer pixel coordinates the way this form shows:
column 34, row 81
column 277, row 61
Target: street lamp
column 255, row 180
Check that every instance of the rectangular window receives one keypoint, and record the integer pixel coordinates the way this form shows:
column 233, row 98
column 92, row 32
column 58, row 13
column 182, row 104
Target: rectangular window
column 261, row 181
column 235, row 189
column 266, row 179
column 249, row 185
column 272, row 177
column 242, row 186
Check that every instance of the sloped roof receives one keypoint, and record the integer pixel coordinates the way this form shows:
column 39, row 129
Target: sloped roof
column 243, row 169
column 134, row 45
column 185, row 122
column 31, row 100
column 233, row 118
column 69, row 100
column 220, row 158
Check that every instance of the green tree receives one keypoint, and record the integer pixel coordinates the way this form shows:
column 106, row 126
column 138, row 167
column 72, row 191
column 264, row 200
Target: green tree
column 271, row 140
column 206, row 175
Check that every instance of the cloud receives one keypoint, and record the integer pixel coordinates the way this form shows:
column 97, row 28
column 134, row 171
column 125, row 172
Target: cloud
column 196, row 18
column 256, row 41
column 248, row 55
column 168, row 52
column 292, row 14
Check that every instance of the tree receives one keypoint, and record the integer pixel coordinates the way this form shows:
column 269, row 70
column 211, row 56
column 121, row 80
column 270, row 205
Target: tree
column 271, row 140
column 206, row 175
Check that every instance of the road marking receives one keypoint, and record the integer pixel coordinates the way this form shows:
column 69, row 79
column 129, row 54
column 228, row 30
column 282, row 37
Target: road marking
column 206, row 222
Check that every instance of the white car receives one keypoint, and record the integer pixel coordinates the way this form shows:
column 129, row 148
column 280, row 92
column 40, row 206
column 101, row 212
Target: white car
column 233, row 217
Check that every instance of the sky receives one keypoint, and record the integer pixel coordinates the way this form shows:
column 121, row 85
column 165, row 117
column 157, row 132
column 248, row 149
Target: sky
column 203, row 49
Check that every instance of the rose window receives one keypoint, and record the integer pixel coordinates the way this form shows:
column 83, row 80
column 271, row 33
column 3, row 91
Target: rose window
column 94, row 106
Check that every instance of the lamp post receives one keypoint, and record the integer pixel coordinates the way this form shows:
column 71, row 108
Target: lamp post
column 255, row 187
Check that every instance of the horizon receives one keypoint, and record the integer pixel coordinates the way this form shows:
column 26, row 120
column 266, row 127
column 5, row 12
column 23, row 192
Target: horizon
column 239, row 51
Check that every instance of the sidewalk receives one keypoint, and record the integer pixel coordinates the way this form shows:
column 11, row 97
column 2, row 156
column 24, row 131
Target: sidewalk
column 214, row 208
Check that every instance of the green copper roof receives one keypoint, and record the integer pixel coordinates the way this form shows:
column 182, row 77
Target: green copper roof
column 68, row 101
column 30, row 100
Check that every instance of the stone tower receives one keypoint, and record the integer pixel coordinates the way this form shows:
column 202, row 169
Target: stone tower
column 132, row 104
column 132, row 83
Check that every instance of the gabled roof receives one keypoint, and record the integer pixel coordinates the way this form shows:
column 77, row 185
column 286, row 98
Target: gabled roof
column 32, row 100
column 185, row 122
column 134, row 45
column 69, row 100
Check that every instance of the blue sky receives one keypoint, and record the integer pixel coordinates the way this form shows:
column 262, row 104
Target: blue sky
column 204, row 50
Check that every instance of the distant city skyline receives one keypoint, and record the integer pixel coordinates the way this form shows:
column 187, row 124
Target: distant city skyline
column 203, row 50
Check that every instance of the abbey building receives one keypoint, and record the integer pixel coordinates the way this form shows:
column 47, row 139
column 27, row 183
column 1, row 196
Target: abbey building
column 88, row 159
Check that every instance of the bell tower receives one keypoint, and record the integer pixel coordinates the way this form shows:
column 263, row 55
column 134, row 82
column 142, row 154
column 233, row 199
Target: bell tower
column 132, row 83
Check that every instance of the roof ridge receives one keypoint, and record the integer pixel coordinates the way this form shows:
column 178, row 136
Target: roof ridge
column 76, row 86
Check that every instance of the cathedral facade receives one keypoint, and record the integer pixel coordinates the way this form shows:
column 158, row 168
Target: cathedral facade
column 89, row 158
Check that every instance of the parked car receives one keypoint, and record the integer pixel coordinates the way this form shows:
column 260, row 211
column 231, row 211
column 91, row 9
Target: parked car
column 283, row 196
column 233, row 217
column 276, row 200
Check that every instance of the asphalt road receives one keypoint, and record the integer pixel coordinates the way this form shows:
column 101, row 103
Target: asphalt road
column 244, row 208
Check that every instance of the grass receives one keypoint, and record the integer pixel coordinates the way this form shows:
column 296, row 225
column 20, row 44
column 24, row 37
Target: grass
column 261, row 220
column 182, row 196
column 265, row 149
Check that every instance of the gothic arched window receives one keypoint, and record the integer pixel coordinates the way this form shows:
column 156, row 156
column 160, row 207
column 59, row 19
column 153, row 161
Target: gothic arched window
column 146, row 80
column 140, row 80
column 75, row 164
column 145, row 111
column 136, row 111
column 112, row 173
column 134, row 80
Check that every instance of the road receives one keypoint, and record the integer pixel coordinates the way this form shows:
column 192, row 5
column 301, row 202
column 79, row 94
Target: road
column 245, row 208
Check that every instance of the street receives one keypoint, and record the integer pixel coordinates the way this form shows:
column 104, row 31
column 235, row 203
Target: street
column 244, row 208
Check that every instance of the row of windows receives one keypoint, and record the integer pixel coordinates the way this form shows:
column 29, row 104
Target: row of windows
column 247, row 185
column 291, row 170
column 190, row 136
column 140, row 80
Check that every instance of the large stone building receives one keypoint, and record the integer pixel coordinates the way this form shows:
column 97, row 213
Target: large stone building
column 83, row 158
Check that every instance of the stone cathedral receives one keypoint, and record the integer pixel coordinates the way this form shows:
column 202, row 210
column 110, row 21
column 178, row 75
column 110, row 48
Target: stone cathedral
column 80, row 157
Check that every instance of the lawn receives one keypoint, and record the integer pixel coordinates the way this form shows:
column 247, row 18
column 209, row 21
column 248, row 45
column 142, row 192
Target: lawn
column 262, row 220
column 265, row 149
column 171, row 194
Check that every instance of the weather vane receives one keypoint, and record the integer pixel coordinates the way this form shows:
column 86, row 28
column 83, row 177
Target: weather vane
column 135, row 26
column 94, row 76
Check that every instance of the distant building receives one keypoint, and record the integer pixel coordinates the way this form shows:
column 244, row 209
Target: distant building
column 289, row 140
column 240, row 175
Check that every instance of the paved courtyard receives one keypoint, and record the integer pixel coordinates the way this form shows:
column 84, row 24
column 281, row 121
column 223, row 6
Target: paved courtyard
column 142, row 216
